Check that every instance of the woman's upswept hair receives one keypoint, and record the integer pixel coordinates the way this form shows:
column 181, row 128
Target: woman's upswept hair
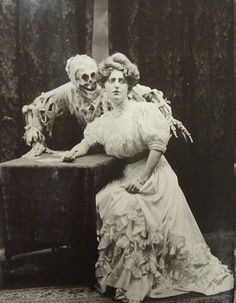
column 120, row 62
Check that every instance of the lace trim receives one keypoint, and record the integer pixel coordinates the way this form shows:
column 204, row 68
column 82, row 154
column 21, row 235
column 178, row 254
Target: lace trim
column 137, row 132
column 157, row 145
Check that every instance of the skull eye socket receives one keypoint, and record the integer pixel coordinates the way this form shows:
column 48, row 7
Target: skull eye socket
column 85, row 77
column 93, row 75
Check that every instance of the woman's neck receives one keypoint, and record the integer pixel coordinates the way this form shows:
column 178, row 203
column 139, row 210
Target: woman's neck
column 119, row 107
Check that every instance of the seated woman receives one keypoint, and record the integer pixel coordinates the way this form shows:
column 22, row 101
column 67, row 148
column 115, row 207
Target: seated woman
column 150, row 244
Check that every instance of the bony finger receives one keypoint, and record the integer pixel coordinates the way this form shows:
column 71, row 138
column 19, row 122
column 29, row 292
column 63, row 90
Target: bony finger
column 38, row 152
column 26, row 156
column 31, row 153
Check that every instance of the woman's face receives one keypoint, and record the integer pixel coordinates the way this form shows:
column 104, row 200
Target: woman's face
column 116, row 87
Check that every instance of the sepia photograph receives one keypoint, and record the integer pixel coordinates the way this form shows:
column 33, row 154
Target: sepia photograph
column 117, row 151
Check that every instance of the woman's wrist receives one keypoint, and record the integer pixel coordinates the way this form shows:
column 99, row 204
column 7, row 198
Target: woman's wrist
column 142, row 180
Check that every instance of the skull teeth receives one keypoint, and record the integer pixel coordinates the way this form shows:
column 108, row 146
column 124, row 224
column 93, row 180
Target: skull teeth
column 88, row 89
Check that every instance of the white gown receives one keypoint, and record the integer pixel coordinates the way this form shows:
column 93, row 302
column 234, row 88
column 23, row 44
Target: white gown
column 150, row 244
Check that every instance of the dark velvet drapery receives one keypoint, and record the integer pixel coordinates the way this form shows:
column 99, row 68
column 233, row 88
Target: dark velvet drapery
column 185, row 48
column 36, row 38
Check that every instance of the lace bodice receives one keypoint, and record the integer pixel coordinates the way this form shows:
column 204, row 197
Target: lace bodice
column 138, row 127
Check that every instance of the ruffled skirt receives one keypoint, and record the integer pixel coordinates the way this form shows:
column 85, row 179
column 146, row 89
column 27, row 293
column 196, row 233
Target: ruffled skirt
column 150, row 244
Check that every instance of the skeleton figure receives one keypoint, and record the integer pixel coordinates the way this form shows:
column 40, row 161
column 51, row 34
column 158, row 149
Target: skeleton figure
column 85, row 99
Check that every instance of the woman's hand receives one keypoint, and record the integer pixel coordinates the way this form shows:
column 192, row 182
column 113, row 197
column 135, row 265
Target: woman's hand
column 68, row 156
column 72, row 153
column 78, row 150
column 134, row 186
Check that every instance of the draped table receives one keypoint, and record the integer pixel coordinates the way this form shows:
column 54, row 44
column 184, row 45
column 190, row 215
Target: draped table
column 46, row 203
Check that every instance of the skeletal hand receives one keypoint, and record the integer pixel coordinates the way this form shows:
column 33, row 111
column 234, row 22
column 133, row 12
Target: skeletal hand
column 37, row 149
column 176, row 124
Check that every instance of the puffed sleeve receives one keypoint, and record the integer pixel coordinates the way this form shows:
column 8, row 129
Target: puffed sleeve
column 153, row 127
column 93, row 133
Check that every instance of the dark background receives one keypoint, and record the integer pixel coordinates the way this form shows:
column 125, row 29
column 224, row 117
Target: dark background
column 182, row 47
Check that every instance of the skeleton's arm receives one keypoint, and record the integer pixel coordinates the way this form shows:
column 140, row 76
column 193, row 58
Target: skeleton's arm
column 40, row 116
column 145, row 94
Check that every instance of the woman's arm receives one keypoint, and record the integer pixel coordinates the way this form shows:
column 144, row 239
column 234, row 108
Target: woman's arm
column 78, row 150
column 152, row 161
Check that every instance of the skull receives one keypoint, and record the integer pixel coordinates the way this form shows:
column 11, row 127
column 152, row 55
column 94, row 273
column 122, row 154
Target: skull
column 86, row 78
column 82, row 71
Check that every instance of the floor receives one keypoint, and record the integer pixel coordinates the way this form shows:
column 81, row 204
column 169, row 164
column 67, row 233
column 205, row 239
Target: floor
column 57, row 278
